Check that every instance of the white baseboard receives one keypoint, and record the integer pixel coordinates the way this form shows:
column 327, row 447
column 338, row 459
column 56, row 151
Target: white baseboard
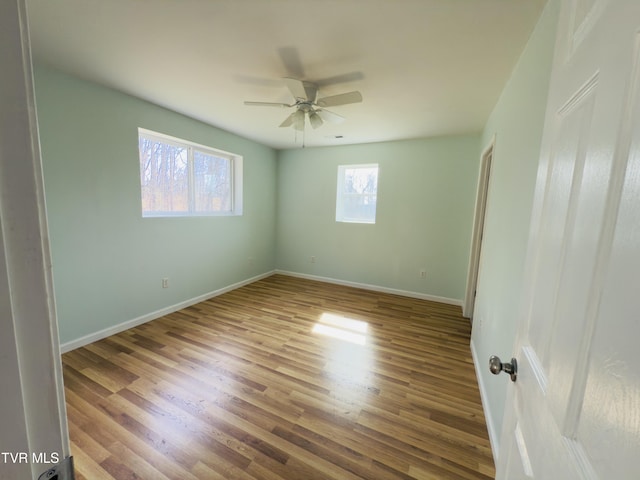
column 375, row 288
column 121, row 327
column 491, row 426
column 94, row 337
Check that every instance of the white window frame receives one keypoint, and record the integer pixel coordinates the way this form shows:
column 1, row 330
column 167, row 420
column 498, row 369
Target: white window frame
column 340, row 197
column 235, row 160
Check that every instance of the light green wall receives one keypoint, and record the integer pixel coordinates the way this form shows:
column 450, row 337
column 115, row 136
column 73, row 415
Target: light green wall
column 517, row 122
column 426, row 192
column 107, row 260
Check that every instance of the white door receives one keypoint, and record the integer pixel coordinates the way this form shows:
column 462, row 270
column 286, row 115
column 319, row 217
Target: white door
column 574, row 410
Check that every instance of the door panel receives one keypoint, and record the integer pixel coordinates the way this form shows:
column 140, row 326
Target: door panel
column 574, row 412
column 563, row 184
column 519, row 462
column 567, row 348
column 610, row 414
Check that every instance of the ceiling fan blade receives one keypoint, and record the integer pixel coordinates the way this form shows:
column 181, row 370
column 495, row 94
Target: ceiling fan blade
column 291, row 61
column 328, row 116
column 342, row 78
column 296, row 119
column 268, row 104
column 342, row 99
column 288, row 121
column 312, row 91
column 297, row 88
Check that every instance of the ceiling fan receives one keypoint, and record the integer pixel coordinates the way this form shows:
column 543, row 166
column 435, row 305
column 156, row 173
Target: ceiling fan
column 307, row 104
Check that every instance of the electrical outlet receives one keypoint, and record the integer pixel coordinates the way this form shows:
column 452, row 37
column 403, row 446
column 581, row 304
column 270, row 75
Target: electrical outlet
column 423, row 273
column 165, row 282
column 250, row 261
column 313, row 259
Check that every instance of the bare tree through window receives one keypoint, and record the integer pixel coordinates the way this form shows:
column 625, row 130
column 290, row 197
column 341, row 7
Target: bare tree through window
column 183, row 179
column 357, row 193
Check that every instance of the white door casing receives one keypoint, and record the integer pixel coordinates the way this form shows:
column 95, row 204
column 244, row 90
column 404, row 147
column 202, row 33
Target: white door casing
column 33, row 426
column 574, row 411
column 482, row 195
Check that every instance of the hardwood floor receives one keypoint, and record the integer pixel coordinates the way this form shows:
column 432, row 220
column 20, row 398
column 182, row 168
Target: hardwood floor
column 251, row 385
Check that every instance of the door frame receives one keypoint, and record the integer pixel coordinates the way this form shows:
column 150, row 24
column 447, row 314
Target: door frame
column 482, row 196
column 32, row 412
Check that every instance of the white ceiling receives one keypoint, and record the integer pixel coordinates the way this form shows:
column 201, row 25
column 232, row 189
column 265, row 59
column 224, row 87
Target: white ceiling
column 424, row 67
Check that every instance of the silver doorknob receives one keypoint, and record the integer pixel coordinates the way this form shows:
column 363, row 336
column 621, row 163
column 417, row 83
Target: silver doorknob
column 496, row 366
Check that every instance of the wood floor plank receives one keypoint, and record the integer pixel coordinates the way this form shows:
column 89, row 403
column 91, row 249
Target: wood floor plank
column 265, row 383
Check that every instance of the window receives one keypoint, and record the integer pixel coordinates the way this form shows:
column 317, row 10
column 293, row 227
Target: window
column 357, row 193
column 180, row 178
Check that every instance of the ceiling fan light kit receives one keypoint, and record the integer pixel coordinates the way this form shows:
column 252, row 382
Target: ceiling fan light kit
column 298, row 119
column 314, row 119
column 308, row 105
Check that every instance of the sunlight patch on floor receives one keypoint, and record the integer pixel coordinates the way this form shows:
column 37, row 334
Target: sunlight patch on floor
column 342, row 328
